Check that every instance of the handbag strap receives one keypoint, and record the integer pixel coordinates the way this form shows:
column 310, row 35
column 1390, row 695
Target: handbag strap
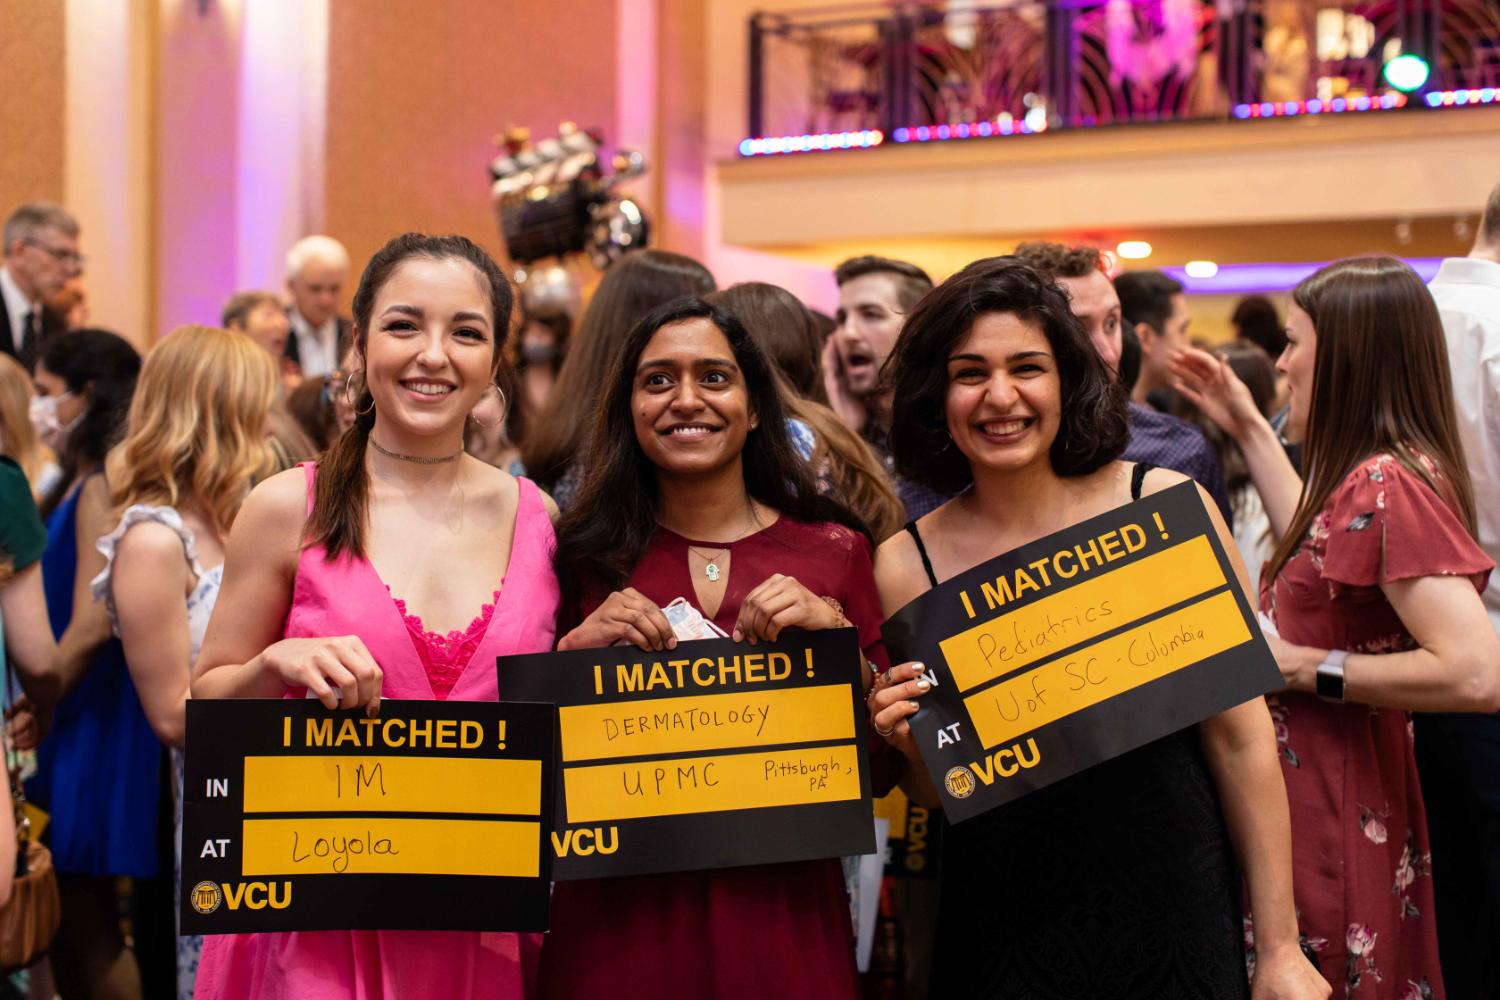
column 12, row 759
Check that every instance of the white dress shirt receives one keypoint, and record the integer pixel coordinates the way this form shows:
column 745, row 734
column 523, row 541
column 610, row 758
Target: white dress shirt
column 17, row 305
column 317, row 347
column 1467, row 292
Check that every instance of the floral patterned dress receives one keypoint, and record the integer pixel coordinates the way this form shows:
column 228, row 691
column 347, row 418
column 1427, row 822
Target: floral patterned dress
column 1361, row 858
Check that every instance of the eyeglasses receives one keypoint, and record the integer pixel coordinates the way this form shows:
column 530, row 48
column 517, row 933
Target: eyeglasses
column 59, row 254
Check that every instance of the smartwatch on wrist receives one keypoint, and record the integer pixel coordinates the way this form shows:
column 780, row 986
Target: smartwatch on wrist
column 1331, row 675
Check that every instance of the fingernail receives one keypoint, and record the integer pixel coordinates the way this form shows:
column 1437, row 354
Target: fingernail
column 672, row 642
column 914, row 705
column 923, row 684
column 919, row 667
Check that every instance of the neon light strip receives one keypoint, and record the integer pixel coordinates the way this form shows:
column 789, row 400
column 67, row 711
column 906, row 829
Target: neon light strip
column 1240, row 279
column 1337, row 106
column 819, row 142
column 1449, row 98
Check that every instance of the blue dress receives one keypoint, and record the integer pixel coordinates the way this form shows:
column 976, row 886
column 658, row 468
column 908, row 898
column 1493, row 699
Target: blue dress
column 98, row 770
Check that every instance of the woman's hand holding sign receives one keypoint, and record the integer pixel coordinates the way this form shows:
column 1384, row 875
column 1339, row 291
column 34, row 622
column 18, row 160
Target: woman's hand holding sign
column 628, row 616
column 781, row 602
column 891, row 704
column 339, row 671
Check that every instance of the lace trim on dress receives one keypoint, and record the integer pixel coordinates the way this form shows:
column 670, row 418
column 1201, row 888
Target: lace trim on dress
column 444, row 656
column 136, row 513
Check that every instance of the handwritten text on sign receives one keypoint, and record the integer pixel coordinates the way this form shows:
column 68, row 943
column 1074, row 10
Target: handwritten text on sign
column 1077, row 648
column 711, row 755
column 434, row 815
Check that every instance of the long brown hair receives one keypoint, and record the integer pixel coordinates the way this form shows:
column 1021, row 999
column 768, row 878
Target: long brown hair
column 633, row 286
column 341, row 495
column 786, row 329
column 1381, row 384
column 857, row 478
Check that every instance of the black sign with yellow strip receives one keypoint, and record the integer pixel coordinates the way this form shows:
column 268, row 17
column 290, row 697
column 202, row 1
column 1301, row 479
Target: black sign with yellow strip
column 433, row 816
column 1077, row 648
column 710, row 755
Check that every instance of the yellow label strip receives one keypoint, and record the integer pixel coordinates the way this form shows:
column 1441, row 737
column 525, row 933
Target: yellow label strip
column 393, row 784
column 1098, row 605
column 386, row 846
column 1106, row 669
column 707, row 722
column 711, row 784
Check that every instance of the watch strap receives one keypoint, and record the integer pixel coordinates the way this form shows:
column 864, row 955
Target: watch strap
column 1330, row 679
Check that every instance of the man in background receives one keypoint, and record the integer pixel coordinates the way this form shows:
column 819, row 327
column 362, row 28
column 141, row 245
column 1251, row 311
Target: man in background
column 875, row 296
column 1458, row 756
column 1155, row 438
column 1154, row 307
column 316, row 269
column 41, row 256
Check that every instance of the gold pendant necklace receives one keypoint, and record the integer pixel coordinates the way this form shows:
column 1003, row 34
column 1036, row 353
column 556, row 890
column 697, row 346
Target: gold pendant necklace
column 712, row 569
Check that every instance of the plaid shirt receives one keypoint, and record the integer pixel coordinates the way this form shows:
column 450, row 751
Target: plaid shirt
column 1170, row 443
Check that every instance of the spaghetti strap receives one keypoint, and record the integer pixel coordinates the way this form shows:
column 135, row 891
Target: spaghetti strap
column 911, row 526
column 1137, row 477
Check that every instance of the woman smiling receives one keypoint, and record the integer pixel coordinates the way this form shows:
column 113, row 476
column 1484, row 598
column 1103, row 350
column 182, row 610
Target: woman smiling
column 1120, row 881
column 325, row 594
column 694, row 490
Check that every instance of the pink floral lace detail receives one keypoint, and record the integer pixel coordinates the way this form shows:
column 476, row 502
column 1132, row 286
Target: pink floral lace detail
column 444, row 657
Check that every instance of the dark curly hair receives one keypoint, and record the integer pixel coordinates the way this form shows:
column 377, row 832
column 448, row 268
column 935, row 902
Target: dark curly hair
column 1094, row 426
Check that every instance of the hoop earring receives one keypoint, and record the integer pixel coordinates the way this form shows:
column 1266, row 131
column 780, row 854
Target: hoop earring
column 503, row 410
column 348, row 398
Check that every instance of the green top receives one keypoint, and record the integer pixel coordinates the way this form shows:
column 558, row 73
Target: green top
column 22, row 537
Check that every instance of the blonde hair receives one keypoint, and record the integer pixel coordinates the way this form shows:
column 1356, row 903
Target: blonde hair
column 17, row 436
column 197, row 424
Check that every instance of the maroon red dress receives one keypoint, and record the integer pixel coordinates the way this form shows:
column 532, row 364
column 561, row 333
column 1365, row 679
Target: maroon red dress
column 1361, row 859
column 779, row 931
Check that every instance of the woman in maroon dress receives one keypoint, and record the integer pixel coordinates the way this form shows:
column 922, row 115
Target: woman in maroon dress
column 1374, row 589
column 693, row 489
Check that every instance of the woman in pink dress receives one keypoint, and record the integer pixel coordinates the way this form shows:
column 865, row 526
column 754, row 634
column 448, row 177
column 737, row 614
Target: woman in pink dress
column 693, row 489
column 400, row 567
column 1374, row 590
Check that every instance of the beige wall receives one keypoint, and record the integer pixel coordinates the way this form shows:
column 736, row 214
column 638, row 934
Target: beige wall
column 416, row 91
column 32, row 46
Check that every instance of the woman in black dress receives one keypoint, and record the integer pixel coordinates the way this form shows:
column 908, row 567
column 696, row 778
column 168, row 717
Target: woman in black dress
column 1120, row 882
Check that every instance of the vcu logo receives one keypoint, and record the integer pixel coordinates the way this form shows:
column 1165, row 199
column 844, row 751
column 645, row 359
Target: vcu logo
column 251, row 895
column 586, row 841
column 958, row 782
column 206, row 897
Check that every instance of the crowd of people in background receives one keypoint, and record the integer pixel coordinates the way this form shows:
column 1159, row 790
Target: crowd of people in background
column 230, row 514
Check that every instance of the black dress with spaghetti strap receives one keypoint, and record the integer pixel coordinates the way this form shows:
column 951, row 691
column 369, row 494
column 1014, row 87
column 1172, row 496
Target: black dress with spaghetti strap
column 1118, row 883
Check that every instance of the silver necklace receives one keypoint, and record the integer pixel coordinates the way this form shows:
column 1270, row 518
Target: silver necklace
column 712, row 569
column 417, row 459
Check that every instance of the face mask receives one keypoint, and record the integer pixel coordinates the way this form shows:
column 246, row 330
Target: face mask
column 48, row 427
column 539, row 354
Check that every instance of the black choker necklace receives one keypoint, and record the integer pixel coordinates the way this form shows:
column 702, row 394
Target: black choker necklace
column 417, row 459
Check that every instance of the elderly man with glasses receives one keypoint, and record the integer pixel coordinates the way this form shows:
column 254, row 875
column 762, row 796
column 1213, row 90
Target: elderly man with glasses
column 41, row 256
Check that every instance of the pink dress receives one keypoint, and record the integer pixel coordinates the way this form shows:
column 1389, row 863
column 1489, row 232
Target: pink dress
column 347, row 597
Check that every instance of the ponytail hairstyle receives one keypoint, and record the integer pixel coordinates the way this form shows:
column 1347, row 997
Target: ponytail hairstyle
column 1381, row 384
column 342, row 490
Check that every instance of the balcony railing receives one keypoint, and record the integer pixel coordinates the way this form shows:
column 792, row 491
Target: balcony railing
column 857, row 74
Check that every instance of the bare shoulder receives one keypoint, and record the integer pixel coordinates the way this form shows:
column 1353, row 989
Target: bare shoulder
column 898, row 572
column 1159, row 479
column 553, row 512
column 279, row 500
column 150, row 545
